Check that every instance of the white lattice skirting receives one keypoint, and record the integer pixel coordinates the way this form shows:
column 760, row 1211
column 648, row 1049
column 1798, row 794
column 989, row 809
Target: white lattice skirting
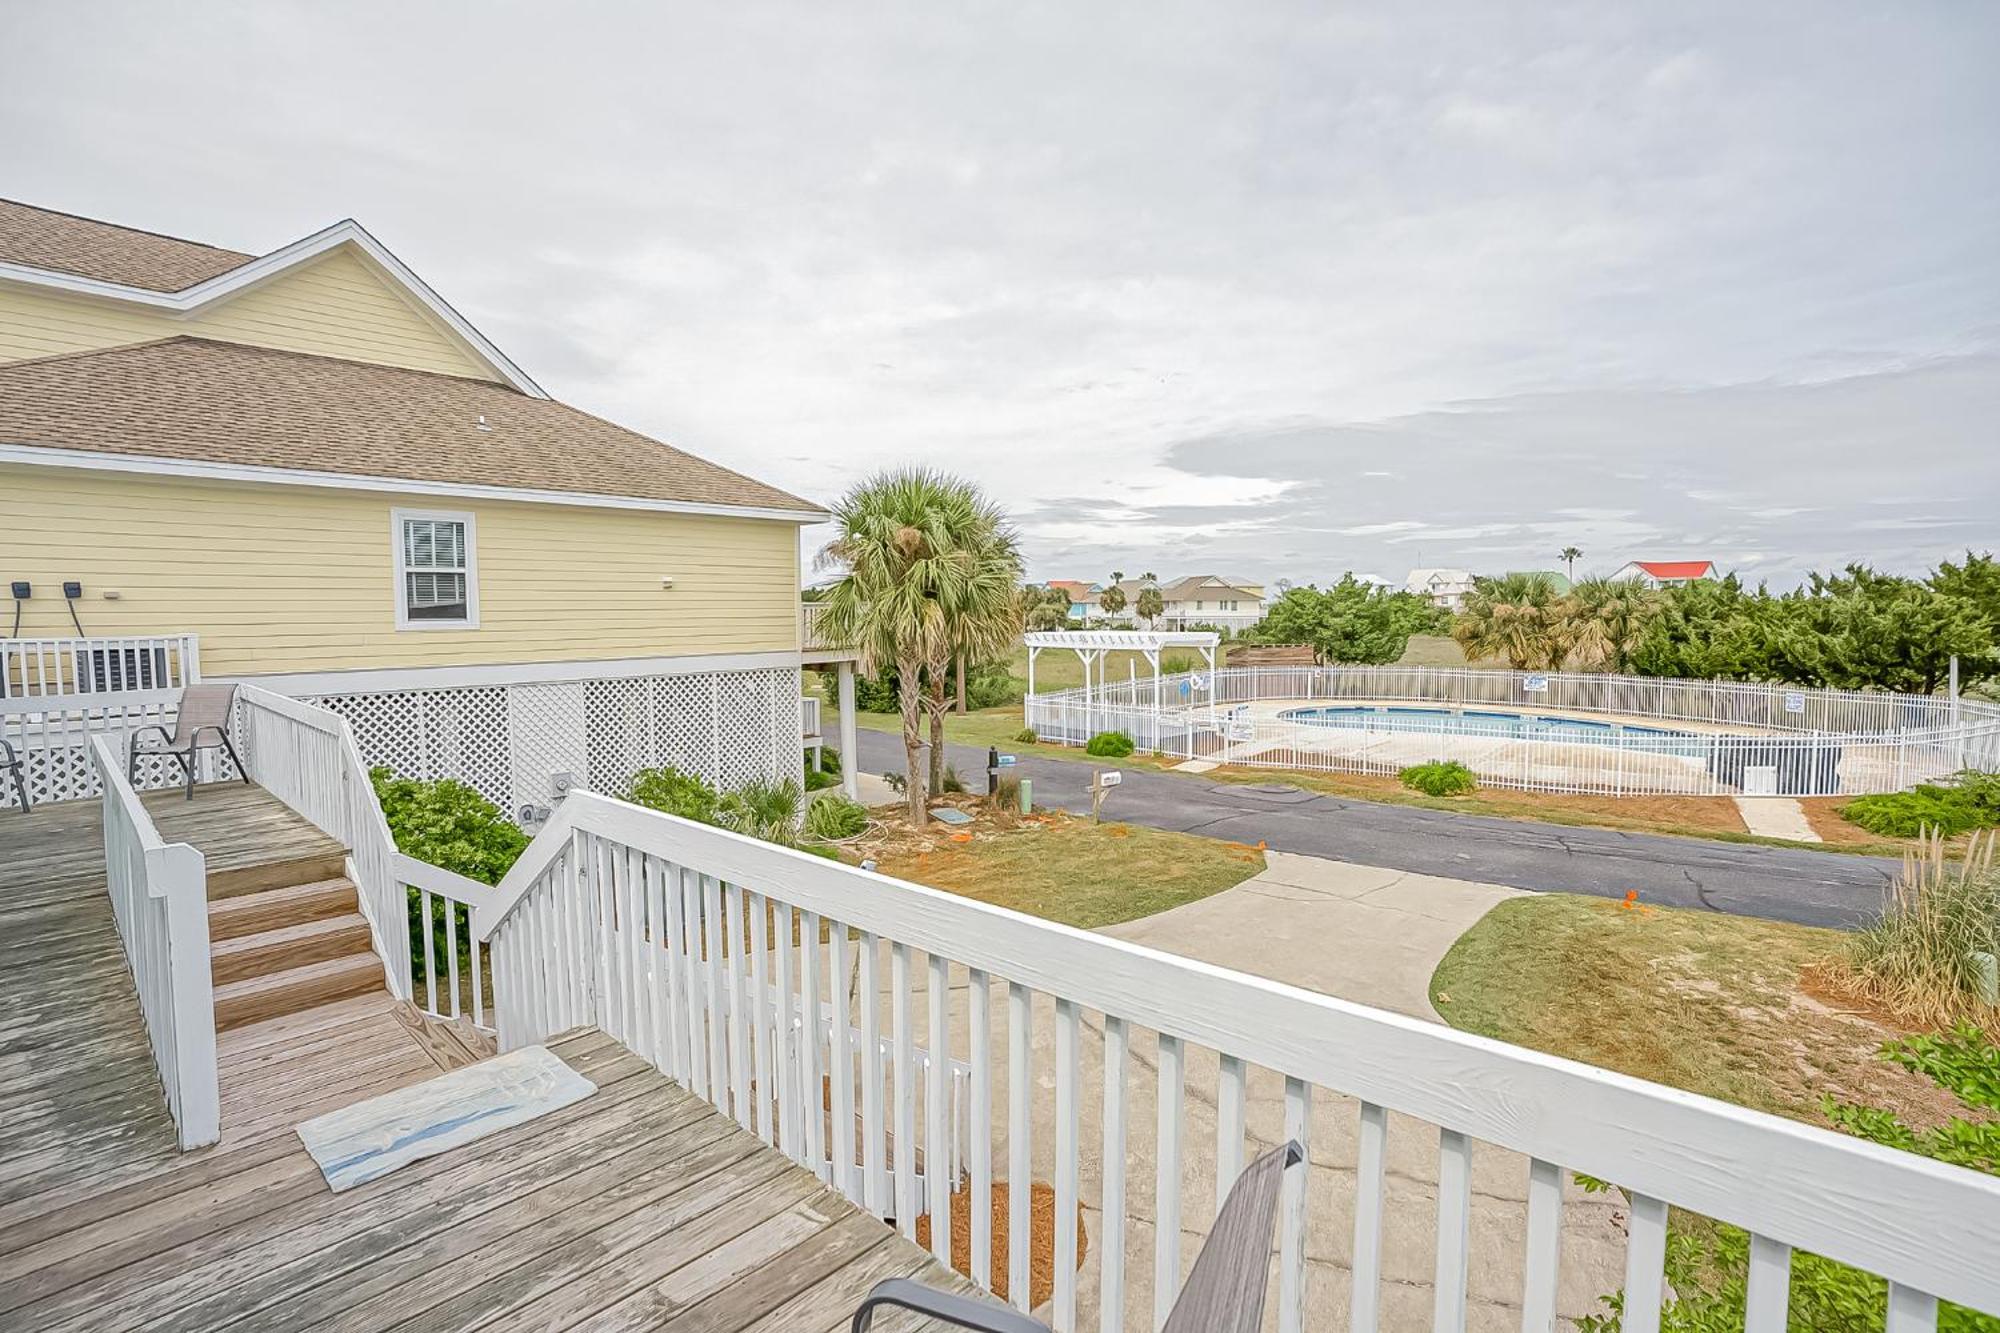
column 509, row 741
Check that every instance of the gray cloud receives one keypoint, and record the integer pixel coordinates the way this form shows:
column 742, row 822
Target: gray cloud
column 1244, row 286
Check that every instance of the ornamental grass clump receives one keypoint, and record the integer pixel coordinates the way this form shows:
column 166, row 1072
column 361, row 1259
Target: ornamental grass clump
column 1928, row 959
column 835, row 818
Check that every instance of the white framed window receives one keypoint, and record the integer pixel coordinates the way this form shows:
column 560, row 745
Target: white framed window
column 437, row 569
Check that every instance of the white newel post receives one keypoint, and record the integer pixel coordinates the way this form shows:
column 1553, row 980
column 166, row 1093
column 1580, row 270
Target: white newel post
column 183, row 873
column 849, row 760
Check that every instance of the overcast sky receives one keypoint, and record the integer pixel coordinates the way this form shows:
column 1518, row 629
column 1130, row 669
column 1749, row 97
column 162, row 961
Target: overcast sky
column 1242, row 288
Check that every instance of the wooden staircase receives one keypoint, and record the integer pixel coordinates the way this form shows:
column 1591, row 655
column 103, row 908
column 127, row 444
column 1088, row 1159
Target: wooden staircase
column 285, row 936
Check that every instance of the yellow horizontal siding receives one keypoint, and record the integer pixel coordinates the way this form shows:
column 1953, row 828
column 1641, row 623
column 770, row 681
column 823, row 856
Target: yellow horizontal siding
column 293, row 578
column 336, row 306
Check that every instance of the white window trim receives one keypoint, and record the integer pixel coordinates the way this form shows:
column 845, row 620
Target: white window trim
column 397, row 517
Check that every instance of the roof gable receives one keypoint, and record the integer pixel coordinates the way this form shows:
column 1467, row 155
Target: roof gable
column 1677, row 569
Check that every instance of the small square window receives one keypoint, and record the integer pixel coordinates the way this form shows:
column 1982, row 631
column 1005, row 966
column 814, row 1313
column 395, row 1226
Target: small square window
column 437, row 584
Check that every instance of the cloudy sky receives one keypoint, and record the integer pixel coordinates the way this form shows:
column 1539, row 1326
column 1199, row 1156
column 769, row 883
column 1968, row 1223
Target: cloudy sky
column 1249, row 289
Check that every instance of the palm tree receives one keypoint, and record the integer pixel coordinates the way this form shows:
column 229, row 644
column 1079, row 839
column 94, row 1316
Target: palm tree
column 1611, row 619
column 1150, row 603
column 906, row 540
column 982, row 615
column 1569, row 555
column 1521, row 617
column 1112, row 600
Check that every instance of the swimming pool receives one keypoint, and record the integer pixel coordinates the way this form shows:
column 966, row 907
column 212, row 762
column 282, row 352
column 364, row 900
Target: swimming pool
column 1500, row 725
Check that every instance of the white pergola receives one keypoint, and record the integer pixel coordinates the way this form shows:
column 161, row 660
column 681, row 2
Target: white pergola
column 1091, row 645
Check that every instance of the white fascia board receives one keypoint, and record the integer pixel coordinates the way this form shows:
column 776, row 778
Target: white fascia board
column 382, row 680
column 279, row 261
column 36, row 455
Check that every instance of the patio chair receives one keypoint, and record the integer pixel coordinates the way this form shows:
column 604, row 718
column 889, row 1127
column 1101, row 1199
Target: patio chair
column 202, row 724
column 1224, row 1292
column 10, row 759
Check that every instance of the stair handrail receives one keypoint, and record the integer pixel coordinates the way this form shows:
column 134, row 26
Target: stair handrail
column 159, row 897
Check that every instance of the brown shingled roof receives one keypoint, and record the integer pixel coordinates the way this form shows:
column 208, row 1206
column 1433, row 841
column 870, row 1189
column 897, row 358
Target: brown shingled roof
column 44, row 238
column 218, row 402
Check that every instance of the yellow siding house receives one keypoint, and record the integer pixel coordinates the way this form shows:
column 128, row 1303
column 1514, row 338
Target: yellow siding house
column 313, row 465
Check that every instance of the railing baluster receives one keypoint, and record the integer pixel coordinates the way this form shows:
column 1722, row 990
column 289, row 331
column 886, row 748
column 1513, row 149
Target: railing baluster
column 1167, row 1190
column 424, row 949
column 784, row 1060
column 660, row 957
column 673, row 909
column 840, row 1071
column 1069, row 1042
column 688, row 885
column 760, row 1008
column 904, row 1059
column 1020, row 1165
column 1768, row 1294
column 1372, row 1156
column 937, row 1108
column 451, row 952
column 1910, row 1310
column 1454, row 1218
column 815, row 1091
column 718, row 996
column 1292, row 1228
column 632, row 917
column 1645, row 1261
column 1231, row 1081
column 1111, row 1244
column 979, row 992
column 1544, row 1258
column 734, row 926
column 873, row 1171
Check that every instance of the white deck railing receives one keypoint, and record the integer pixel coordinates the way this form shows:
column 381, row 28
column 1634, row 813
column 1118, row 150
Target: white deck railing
column 649, row 927
column 159, row 895
column 419, row 915
column 1668, row 737
column 48, row 667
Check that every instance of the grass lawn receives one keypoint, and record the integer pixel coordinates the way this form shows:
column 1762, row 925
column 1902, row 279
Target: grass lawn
column 1079, row 873
column 1695, row 1000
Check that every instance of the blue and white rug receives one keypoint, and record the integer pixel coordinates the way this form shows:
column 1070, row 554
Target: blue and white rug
column 362, row 1142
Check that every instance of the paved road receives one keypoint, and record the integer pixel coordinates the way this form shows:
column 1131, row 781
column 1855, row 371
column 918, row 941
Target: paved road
column 1807, row 887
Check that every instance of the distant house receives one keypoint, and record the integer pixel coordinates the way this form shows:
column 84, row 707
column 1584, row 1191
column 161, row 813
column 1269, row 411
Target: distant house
column 1445, row 588
column 1082, row 596
column 1665, row 573
column 1199, row 599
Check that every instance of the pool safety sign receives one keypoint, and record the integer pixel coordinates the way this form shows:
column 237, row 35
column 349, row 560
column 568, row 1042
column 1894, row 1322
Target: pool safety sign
column 1795, row 702
column 1535, row 684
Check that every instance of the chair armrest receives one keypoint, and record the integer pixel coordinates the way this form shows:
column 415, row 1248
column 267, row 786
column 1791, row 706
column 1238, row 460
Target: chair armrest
column 963, row 1311
column 166, row 737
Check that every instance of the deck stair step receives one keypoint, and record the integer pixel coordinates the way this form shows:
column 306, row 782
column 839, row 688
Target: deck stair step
column 287, row 947
column 254, row 999
column 274, row 909
column 283, row 871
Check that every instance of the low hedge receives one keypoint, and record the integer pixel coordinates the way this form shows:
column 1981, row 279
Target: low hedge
column 1440, row 777
column 1109, row 745
column 1966, row 801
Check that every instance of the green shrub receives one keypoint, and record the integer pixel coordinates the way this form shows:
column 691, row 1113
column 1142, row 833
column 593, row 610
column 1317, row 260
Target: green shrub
column 1026, row 736
column 832, row 818
column 764, row 809
column 1109, row 745
column 448, row 824
column 673, row 792
column 1969, row 800
column 829, row 759
column 1440, row 777
column 818, row 781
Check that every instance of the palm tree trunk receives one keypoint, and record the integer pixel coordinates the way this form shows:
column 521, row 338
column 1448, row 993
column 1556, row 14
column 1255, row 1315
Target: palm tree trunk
column 909, row 695
column 961, row 686
column 937, row 678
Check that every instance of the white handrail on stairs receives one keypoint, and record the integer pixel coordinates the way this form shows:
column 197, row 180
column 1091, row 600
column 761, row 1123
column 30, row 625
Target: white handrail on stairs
column 645, row 926
column 159, row 895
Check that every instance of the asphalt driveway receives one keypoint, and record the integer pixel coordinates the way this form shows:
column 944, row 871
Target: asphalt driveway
column 1806, row 887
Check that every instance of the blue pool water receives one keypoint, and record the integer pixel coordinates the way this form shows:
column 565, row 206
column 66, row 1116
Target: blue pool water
column 1486, row 722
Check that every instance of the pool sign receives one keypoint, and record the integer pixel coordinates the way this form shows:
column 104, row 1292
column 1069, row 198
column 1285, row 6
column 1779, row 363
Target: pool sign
column 1795, row 702
column 1535, row 684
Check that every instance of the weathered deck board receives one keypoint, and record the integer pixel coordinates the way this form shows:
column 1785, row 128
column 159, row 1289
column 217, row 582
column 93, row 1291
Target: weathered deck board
column 640, row 1207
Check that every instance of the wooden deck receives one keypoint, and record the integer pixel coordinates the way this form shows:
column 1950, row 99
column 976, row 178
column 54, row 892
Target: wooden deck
column 640, row 1207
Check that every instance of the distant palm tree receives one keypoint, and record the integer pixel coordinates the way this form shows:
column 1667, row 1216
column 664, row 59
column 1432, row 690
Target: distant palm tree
column 982, row 616
column 919, row 558
column 1150, row 603
column 1112, row 600
column 1611, row 618
column 1569, row 556
column 1522, row 617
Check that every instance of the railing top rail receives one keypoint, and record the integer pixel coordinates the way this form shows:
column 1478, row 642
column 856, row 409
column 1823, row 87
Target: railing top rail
column 446, row 883
column 310, row 715
column 1911, row 1219
column 120, row 793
